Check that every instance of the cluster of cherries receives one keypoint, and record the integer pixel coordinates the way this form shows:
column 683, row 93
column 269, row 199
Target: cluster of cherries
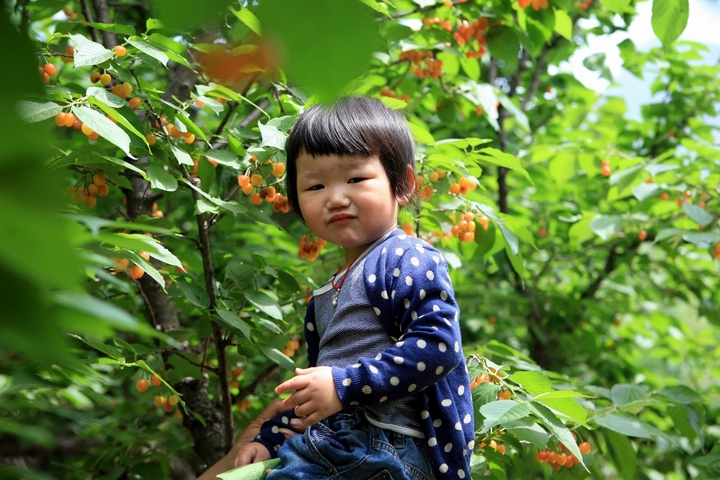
column 69, row 120
column 433, row 66
column 253, row 185
column 467, row 31
column 291, row 347
column 560, row 459
column 88, row 194
column 167, row 403
column 136, row 271
column 310, row 247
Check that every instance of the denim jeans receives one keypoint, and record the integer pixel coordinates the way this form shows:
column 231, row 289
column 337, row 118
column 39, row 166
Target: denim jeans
column 348, row 447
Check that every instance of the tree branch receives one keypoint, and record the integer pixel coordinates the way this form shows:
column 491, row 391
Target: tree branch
column 89, row 18
column 609, row 267
column 208, row 271
column 102, row 14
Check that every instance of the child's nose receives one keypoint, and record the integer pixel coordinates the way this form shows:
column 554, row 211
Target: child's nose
column 337, row 198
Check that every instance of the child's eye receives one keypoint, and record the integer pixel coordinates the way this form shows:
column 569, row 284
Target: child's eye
column 316, row 187
column 356, row 180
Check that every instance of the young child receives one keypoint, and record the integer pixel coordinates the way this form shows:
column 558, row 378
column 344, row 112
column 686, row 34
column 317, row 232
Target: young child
column 387, row 394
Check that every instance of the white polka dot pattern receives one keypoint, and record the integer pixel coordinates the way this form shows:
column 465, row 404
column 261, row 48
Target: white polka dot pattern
column 409, row 289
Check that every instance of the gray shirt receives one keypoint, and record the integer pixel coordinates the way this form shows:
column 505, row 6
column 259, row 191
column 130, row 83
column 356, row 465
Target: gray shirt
column 351, row 330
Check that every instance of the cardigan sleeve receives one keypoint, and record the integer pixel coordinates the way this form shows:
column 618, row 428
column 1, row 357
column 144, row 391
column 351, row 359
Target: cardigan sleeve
column 407, row 281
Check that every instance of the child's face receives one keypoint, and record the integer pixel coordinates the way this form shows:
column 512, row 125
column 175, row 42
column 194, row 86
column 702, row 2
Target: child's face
column 346, row 200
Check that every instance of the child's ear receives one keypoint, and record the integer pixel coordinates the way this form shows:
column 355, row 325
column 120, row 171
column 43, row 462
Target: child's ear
column 404, row 200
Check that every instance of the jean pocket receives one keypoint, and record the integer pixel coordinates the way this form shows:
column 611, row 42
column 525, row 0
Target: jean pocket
column 319, row 432
column 384, row 475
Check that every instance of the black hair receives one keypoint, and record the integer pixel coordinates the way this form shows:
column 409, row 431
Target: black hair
column 353, row 126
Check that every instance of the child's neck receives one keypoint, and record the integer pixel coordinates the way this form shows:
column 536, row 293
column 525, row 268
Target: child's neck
column 352, row 254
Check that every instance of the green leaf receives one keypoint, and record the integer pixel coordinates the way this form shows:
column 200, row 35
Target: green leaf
column 698, row 214
column 104, row 127
column 153, row 24
column 517, row 226
column 564, row 406
column 667, row 233
column 224, row 157
column 272, row 137
column 660, row 168
column 510, row 238
column 681, row 394
column 89, row 53
column 503, row 43
column 502, row 411
column 100, row 102
column 149, row 49
column 533, row 434
column 698, row 238
column 471, row 67
column 420, row 134
column 32, row 112
column 378, row 7
column 181, row 155
column 112, row 27
column 252, row 471
column 645, row 190
column 278, row 357
column 605, row 226
column 114, row 315
column 394, row 103
column 580, row 231
column 625, row 424
column 160, row 179
column 124, row 164
column 482, row 95
column 324, row 51
column 622, row 394
column 107, row 97
column 264, row 303
column 669, row 19
column 517, row 113
column 562, row 167
column 680, row 415
column 623, row 454
column 617, row 6
column 563, row 24
column 557, row 428
column 502, row 159
column 100, row 346
column 28, row 433
column 534, row 383
column 233, row 322
column 248, row 18
column 195, row 295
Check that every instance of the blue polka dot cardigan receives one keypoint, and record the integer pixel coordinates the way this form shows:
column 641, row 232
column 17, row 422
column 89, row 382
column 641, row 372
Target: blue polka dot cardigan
column 409, row 288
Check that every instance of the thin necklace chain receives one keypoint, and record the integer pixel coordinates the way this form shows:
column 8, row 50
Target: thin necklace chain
column 340, row 283
column 342, row 280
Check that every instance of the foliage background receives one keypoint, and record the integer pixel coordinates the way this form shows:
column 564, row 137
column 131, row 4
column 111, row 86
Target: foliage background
column 590, row 325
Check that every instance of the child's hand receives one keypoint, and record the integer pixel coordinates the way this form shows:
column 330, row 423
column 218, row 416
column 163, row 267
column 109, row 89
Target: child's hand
column 253, row 452
column 315, row 396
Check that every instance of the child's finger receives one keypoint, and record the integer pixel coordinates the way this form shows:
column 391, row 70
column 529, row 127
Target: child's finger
column 294, row 383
